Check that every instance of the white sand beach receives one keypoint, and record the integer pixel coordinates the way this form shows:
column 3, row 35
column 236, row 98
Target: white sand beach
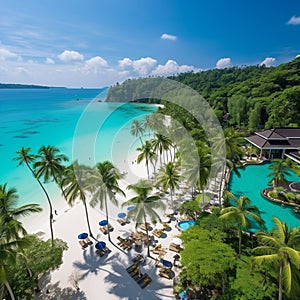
column 102, row 277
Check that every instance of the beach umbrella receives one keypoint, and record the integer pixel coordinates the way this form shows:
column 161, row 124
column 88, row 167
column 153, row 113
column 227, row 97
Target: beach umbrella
column 83, row 236
column 160, row 226
column 177, row 241
column 165, row 219
column 129, row 208
column 100, row 245
column 103, row 223
column 169, row 211
column 166, row 263
column 121, row 215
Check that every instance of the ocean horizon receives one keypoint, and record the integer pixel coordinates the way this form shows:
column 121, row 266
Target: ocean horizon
column 76, row 121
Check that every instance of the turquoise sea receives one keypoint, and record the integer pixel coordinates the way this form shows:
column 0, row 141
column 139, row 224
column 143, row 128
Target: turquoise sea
column 77, row 121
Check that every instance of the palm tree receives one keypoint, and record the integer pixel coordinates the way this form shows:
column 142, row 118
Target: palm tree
column 49, row 164
column 281, row 247
column 137, row 129
column 76, row 183
column 146, row 154
column 8, row 206
column 160, row 144
column 279, row 170
column 168, row 176
column 144, row 205
column 10, row 246
column 28, row 159
column 106, row 187
column 242, row 214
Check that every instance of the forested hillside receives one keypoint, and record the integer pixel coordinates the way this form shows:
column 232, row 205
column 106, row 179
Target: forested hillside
column 254, row 96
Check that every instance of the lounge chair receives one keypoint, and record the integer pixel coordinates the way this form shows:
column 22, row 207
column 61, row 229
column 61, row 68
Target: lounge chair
column 138, row 258
column 83, row 244
column 158, row 233
column 174, row 247
column 165, row 272
column 100, row 252
column 122, row 222
column 88, row 241
column 131, row 268
column 144, row 281
column 143, row 227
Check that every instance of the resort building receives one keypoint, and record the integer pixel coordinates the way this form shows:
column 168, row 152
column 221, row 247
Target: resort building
column 277, row 143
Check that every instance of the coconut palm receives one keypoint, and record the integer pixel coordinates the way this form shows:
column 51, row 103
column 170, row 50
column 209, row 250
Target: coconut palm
column 76, row 183
column 145, row 205
column 10, row 246
column 106, row 187
column 146, row 154
column 49, row 165
column 280, row 168
column 27, row 158
column 242, row 213
column 8, row 206
column 161, row 143
column 168, row 177
column 280, row 248
column 137, row 129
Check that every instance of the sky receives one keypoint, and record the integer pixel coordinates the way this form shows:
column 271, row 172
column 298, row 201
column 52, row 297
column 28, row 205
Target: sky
column 96, row 43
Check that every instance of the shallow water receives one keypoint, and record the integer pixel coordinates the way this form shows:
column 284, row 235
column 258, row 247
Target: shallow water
column 74, row 120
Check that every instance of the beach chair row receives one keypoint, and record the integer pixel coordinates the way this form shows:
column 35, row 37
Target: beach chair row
column 85, row 243
column 141, row 279
column 125, row 244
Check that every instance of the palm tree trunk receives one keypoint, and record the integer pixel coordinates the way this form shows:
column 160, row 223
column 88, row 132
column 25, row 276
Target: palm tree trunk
column 48, row 199
column 147, row 165
column 8, row 287
column 280, row 283
column 240, row 242
column 106, row 212
column 147, row 234
column 87, row 218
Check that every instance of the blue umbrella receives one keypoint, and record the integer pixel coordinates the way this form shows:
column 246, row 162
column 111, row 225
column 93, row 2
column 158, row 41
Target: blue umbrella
column 121, row 215
column 166, row 263
column 82, row 236
column 100, row 245
column 129, row 208
column 103, row 223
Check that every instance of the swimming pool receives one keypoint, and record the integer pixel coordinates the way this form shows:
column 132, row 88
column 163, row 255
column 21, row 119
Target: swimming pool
column 184, row 225
column 253, row 179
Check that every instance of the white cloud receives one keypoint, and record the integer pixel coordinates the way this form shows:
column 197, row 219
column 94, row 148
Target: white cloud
column 171, row 67
column 70, row 55
column 95, row 64
column 223, row 63
column 268, row 61
column 125, row 62
column 142, row 66
column 169, row 37
column 4, row 53
column 294, row 20
column 50, row 61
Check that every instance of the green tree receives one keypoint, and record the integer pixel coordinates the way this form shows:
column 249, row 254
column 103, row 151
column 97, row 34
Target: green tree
column 106, row 187
column 160, row 144
column 24, row 157
column 280, row 249
column 168, row 177
column 49, row 259
column 280, row 168
column 206, row 260
column 242, row 213
column 8, row 205
column 144, row 205
column 255, row 117
column 137, row 129
column 49, row 164
column 146, row 154
column 76, row 184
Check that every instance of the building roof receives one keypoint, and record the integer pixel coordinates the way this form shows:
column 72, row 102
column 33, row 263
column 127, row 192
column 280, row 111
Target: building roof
column 294, row 155
column 278, row 138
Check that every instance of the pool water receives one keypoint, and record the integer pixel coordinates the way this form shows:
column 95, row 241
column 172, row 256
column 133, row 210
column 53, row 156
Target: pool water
column 252, row 180
column 184, row 225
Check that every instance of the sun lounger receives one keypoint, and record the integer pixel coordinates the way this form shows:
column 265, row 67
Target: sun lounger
column 165, row 272
column 144, row 281
column 143, row 227
column 83, row 244
column 138, row 258
column 131, row 268
column 157, row 233
column 100, row 252
column 174, row 247
column 88, row 241
column 122, row 222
